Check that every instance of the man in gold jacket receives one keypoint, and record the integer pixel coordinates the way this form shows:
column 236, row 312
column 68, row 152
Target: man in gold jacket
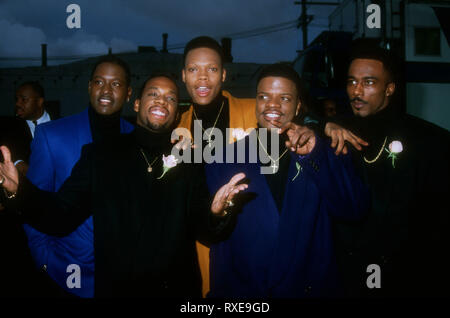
column 203, row 74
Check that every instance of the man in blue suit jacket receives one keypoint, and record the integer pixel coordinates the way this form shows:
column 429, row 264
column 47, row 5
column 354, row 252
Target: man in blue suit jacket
column 280, row 243
column 55, row 150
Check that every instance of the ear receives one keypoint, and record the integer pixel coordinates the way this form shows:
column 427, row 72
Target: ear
column 137, row 104
column 41, row 102
column 390, row 89
column 89, row 87
column 299, row 105
column 130, row 91
column 183, row 75
column 224, row 75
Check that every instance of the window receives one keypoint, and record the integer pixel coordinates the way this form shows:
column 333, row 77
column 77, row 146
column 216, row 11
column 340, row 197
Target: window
column 427, row 41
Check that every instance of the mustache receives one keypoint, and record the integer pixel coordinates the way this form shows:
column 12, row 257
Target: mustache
column 357, row 99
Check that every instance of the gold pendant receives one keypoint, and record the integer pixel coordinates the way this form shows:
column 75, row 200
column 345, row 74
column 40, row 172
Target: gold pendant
column 149, row 169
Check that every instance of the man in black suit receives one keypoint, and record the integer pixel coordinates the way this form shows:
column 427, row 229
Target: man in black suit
column 30, row 112
column 401, row 247
column 148, row 209
column 16, row 268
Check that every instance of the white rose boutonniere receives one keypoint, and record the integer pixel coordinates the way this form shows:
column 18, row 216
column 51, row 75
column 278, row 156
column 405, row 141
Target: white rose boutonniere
column 395, row 148
column 239, row 133
column 168, row 163
column 299, row 169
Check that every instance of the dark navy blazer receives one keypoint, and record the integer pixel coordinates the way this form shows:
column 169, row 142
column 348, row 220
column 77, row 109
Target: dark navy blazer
column 287, row 254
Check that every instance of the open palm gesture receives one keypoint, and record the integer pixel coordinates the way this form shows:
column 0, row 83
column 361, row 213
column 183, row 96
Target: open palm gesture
column 224, row 196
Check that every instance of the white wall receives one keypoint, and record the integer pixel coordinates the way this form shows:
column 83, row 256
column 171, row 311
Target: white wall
column 429, row 101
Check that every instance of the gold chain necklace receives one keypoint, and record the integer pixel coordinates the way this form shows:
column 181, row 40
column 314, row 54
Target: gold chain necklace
column 149, row 168
column 212, row 130
column 379, row 153
column 274, row 165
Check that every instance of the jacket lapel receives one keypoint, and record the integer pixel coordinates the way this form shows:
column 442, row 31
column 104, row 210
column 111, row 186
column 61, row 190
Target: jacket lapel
column 290, row 225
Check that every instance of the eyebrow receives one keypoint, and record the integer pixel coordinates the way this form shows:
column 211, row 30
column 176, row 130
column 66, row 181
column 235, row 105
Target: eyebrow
column 365, row 77
column 271, row 93
column 154, row 87
column 201, row 63
column 114, row 78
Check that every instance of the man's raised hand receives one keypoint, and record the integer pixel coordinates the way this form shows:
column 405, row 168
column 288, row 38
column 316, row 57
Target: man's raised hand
column 224, row 196
column 9, row 176
column 340, row 135
column 301, row 139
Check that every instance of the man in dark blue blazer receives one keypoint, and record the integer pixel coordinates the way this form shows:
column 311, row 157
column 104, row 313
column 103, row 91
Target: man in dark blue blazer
column 55, row 150
column 280, row 243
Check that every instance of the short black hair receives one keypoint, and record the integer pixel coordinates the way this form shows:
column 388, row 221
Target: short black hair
column 37, row 88
column 287, row 71
column 167, row 75
column 202, row 42
column 374, row 52
column 114, row 60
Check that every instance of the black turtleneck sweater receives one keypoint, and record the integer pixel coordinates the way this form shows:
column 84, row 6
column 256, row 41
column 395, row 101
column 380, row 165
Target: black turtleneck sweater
column 208, row 114
column 277, row 181
column 151, row 147
column 406, row 228
column 145, row 227
column 374, row 129
column 103, row 127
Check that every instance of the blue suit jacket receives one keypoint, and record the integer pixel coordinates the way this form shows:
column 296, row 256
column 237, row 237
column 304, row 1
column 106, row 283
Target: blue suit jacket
column 55, row 149
column 269, row 254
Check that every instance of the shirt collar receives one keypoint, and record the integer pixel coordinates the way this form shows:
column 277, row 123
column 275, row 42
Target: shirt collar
column 43, row 119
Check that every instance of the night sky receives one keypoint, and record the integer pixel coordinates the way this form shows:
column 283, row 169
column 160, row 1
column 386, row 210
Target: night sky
column 123, row 25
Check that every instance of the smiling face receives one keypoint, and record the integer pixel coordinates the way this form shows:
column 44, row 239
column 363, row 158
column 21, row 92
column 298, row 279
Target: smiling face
column 277, row 101
column 157, row 107
column 108, row 88
column 29, row 105
column 368, row 86
column 203, row 75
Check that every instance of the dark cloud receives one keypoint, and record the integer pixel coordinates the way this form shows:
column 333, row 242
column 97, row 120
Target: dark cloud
column 122, row 25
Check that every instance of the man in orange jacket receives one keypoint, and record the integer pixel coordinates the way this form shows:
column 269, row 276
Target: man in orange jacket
column 204, row 74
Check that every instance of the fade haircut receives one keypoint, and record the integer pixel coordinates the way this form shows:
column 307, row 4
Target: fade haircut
column 286, row 71
column 35, row 86
column 114, row 60
column 167, row 75
column 203, row 42
column 373, row 52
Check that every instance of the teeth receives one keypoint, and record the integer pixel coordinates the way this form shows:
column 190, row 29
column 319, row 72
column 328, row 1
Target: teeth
column 158, row 113
column 203, row 89
column 104, row 100
column 272, row 115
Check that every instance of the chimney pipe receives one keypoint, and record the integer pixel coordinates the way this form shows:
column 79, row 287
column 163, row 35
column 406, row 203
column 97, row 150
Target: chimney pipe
column 226, row 47
column 44, row 55
column 164, row 36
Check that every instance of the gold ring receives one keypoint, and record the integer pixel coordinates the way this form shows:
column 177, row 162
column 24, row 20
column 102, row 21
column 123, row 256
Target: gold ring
column 230, row 203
